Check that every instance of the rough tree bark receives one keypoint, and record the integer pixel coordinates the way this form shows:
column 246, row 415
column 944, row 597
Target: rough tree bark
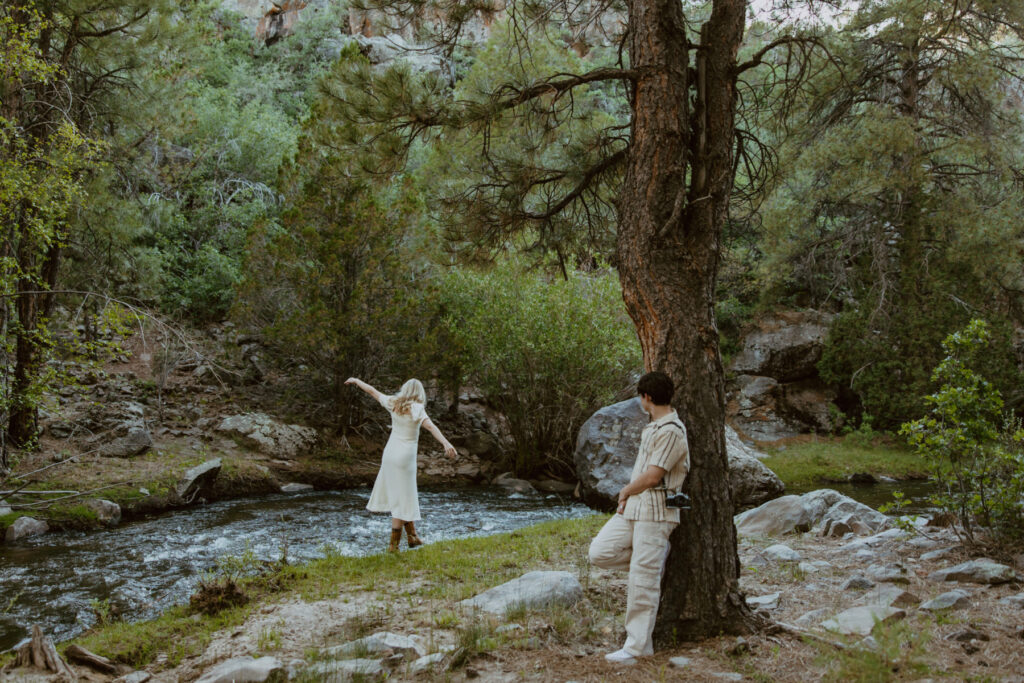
column 672, row 209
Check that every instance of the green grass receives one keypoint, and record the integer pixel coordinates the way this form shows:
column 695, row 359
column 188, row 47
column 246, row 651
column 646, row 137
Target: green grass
column 448, row 571
column 901, row 654
column 828, row 460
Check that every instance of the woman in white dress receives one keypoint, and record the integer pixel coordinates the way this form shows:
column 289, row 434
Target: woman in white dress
column 395, row 488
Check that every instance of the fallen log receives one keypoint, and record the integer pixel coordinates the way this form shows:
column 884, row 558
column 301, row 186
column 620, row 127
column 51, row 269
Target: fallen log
column 79, row 655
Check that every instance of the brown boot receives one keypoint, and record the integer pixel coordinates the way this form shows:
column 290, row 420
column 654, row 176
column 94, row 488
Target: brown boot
column 410, row 532
column 396, row 538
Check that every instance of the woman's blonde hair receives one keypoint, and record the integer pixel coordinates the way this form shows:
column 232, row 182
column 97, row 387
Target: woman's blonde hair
column 411, row 392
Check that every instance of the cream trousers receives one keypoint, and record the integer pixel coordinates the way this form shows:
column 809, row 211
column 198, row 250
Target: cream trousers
column 640, row 547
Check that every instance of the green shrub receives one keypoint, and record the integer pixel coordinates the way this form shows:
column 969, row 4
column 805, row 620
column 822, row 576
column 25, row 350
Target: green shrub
column 970, row 446
column 546, row 352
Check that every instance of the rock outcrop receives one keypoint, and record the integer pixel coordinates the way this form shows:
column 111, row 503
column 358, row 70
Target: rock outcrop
column 821, row 509
column 606, row 449
column 263, row 433
column 776, row 392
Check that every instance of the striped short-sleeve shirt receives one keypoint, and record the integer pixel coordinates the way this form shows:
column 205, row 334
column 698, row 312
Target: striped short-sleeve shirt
column 662, row 444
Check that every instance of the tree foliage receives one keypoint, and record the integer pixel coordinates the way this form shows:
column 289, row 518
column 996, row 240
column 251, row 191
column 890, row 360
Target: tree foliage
column 973, row 449
column 901, row 193
column 546, row 352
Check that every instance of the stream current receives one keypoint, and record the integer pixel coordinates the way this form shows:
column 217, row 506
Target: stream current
column 144, row 566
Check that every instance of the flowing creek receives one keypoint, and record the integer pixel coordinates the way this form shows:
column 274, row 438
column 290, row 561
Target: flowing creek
column 144, row 566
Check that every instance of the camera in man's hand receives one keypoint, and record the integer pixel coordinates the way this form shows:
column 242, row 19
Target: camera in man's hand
column 678, row 501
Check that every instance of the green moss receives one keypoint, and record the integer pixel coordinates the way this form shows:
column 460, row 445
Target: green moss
column 8, row 519
column 834, row 460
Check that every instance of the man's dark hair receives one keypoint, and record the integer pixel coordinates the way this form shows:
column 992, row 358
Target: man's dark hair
column 658, row 386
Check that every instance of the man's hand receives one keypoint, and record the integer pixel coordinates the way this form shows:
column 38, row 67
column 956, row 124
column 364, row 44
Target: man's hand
column 623, row 496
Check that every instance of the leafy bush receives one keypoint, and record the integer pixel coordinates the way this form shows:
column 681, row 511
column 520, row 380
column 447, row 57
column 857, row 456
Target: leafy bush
column 546, row 352
column 973, row 450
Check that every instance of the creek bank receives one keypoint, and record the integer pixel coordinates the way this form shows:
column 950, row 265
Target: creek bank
column 808, row 587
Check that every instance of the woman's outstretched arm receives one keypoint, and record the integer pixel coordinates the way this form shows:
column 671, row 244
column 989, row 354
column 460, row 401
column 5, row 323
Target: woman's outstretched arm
column 365, row 387
column 449, row 449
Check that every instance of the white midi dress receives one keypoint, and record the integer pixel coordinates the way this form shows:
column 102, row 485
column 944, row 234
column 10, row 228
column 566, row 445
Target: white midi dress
column 395, row 488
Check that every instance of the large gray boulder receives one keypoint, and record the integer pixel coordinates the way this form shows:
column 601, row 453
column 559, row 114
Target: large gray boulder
column 531, row 590
column 261, row 432
column 797, row 514
column 606, row 449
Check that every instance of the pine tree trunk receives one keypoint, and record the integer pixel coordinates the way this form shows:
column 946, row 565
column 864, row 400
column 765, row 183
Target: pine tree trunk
column 673, row 207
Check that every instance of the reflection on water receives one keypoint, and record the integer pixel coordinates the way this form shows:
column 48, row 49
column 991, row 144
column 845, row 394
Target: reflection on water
column 144, row 566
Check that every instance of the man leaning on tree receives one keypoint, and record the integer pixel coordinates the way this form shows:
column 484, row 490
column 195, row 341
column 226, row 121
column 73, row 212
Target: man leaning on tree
column 636, row 537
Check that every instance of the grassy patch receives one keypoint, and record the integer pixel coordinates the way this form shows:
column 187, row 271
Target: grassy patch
column 825, row 460
column 443, row 572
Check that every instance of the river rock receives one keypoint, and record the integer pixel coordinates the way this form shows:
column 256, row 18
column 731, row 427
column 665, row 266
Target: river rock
column 781, row 553
column 107, row 511
column 679, row 662
column 857, row 583
column 508, row 482
column 948, row 600
column 377, row 643
column 347, row 670
column 860, row 518
column 822, row 509
column 938, row 554
column 261, row 432
column 890, row 596
column 134, row 677
column 888, row 573
column 769, row 602
column 24, row 527
column 606, row 449
column 976, row 571
column 197, row 478
column 246, row 670
column 777, row 517
column 531, row 590
column 873, row 541
column 861, row 620
column 810, row 618
column 294, row 487
column 137, row 441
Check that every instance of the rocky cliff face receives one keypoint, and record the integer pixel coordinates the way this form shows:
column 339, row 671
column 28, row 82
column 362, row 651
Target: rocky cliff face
column 587, row 25
column 776, row 391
